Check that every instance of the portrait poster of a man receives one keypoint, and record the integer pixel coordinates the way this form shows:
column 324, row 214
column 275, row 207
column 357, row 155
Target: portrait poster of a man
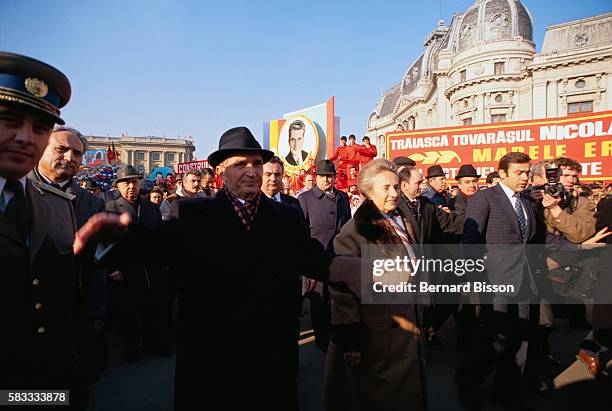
column 296, row 155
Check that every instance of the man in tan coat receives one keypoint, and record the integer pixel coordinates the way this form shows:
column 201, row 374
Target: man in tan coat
column 576, row 221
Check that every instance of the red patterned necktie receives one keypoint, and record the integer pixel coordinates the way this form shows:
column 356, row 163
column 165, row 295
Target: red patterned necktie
column 247, row 211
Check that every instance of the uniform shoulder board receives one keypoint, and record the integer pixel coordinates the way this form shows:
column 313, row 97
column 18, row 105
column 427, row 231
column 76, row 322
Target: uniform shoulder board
column 50, row 189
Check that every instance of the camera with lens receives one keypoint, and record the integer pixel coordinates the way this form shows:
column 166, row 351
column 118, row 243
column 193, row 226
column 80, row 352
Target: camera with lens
column 553, row 187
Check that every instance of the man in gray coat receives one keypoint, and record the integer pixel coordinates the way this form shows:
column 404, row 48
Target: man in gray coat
column 57, row 167
column 326, row 210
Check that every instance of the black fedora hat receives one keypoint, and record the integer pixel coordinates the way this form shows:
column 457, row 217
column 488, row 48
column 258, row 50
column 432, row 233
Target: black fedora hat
column 127, row 172
column 326, row 168
column 30, row 84
column 467, row 170
column 237, row 140
column 435, row 171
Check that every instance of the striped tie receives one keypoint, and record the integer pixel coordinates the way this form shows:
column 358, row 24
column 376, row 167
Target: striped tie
column 520, row 214
column 400, row 230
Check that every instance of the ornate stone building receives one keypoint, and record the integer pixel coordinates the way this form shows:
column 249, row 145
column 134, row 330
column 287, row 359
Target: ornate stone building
column 484, row 68
column 146, row 153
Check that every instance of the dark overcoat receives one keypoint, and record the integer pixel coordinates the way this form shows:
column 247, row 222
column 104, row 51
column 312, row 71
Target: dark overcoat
column 237, row 342
column 290, row 201
column 434, row 225
column 391, row 375
column 138, row 280
column 85, row 206
column 40, row 298
column 602, row 310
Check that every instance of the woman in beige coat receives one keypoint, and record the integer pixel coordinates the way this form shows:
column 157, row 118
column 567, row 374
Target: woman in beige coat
column 375, row 359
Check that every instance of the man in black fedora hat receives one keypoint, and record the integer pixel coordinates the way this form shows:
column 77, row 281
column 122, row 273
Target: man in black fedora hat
column 41, row 300
column 326, row 210
column 467, row 181
column 237, row 315
column 436, row 186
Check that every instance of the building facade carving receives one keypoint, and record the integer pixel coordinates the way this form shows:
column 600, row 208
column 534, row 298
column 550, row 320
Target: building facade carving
column 483, row 68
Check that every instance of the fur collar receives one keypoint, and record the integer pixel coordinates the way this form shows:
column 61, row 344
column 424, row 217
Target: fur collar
column 370, row 223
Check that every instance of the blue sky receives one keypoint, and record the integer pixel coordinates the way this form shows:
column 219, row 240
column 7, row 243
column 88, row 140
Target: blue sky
column 163, row 67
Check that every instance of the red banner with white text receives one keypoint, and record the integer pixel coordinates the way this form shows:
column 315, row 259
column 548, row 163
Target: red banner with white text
column 586, row 138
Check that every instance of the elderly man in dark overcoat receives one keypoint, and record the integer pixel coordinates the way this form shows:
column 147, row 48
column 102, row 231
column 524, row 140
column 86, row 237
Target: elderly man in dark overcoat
column 135, row 290
column 40, row 292
column 237, row 344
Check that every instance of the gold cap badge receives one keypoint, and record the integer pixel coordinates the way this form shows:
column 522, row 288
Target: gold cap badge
column 36, row 87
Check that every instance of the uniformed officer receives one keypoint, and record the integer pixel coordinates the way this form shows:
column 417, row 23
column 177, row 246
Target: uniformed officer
column 40, row 294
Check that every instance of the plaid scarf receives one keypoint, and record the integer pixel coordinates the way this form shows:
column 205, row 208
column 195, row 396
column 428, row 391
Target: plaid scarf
column 247, row 211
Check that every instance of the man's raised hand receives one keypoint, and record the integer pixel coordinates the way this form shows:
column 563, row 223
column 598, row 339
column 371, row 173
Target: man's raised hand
column 99, row 227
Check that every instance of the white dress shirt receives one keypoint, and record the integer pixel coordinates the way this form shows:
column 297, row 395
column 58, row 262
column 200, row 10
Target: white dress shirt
column 510, row 194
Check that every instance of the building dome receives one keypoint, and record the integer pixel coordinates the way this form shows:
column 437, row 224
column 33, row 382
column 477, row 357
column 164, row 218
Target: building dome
column 491, row 20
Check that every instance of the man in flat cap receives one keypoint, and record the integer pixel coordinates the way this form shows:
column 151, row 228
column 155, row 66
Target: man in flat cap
column 40, row 292
column 401, row 162
column 245, row 306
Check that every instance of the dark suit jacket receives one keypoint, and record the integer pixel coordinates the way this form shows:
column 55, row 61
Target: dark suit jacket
column 85, row 206
column 434, row 226
column 491, row 220
column 289, row 158
column 243, row 300
column 142, row 278
column 290, row 201
column 37, row 347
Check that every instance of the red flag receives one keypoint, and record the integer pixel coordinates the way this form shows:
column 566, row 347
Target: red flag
column 109, row 154
column 115, row 156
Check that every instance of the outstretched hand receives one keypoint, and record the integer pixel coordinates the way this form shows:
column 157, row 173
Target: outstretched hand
column 594, row 242
column 101, row 226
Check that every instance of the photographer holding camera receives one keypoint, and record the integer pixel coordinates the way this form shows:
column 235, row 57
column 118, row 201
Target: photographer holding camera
column 567, row 216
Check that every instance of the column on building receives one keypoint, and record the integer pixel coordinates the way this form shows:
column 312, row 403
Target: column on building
column 479, row 116
column 552, row 99
column 607, row 81
column 442, row 112
column 539, row 99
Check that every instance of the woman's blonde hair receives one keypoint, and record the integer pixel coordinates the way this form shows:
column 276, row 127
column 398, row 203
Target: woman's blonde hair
column 370, row 171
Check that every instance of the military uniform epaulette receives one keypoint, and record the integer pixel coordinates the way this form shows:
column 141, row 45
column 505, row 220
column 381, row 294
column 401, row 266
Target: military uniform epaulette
column 46, row 187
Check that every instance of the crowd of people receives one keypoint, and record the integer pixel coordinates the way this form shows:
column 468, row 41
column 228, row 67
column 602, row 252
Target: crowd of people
column 240, row 257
